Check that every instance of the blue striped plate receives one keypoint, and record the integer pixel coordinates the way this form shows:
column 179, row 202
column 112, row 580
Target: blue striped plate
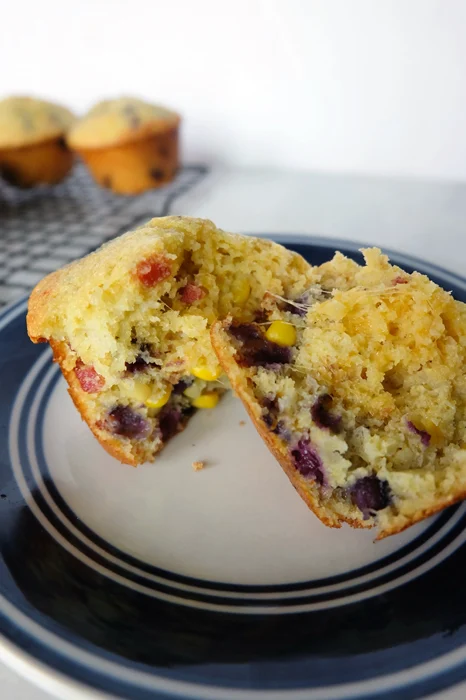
column 164, row 582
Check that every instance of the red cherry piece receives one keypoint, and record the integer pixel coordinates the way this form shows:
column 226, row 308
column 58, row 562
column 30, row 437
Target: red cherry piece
column 191, row 293
column 91, row 382
column 153, row 270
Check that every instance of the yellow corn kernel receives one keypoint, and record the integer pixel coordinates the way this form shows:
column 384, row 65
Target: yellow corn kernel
column 140, row 392
column 160, row 399
column 207, row 400
column 281, row 333
column 436, row 434
column 241, row 291
column 206, row 373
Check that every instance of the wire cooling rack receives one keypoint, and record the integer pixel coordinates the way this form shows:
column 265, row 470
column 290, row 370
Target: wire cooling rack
column 44, row 228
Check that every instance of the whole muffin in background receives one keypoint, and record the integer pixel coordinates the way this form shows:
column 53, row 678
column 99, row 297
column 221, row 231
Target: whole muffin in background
column 129, row 145
column 33, row 149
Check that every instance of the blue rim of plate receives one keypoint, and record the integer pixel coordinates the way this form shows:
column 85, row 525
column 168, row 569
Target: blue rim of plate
column 355, row 635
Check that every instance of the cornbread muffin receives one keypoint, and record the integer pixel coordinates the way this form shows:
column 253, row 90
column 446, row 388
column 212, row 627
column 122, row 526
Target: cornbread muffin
column 129, row 145
column 129, row 324
column 358, row 387
column 33, row 150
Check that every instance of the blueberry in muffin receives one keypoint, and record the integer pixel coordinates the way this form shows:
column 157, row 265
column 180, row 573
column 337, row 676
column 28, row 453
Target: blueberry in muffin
column 130, row 324
column 358, row 387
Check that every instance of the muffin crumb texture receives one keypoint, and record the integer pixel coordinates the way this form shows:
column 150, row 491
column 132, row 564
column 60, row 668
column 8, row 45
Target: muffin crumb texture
column 359, row 390
column 130, row 324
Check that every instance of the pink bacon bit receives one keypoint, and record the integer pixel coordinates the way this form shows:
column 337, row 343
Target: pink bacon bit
column 90, row 381
column 400, row 280
column 153, row 270
column 192, row 292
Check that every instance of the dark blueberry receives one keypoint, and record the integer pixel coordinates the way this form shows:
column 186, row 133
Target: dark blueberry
column 256, row 349
column 300, row 310
column 141, row 362
column 156, row 174
column 188, row 410
column 62, row 143
column 282, row 431
column 423, row 434
column 182, row 385
column 139, row 365
column 296, row 310
column 123, row 420
column 270, row 354
column 307, row 461
column 261, row 316
column 270, row 412
column 370, row 494
column 246, row 332
column 169, row 421
column 321, row 415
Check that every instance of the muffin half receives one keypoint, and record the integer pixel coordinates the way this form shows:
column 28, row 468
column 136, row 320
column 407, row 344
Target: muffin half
column 129, row 145
column 33, row 150
column 130, row 324
column 358, row 387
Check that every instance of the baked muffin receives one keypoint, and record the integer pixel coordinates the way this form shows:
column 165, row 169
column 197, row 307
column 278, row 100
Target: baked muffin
column 129, row 145
column 33, row 150
column 129, row 324
column 358, row 387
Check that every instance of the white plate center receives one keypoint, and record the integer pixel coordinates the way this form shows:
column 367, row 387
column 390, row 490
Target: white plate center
column 238, row 520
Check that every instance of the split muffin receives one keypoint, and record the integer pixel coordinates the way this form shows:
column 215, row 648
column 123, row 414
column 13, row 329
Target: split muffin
column 358, row 387
column 33, row 149
column 129, row 145
column 130, row 324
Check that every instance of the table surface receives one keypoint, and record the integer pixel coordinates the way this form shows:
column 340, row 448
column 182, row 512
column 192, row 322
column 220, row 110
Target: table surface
column 423, row 218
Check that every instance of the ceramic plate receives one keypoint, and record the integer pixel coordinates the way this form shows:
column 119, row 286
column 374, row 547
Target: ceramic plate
column 165, row 582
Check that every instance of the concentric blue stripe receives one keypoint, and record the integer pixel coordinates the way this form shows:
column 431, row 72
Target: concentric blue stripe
column 90, row 534
column 206, row 585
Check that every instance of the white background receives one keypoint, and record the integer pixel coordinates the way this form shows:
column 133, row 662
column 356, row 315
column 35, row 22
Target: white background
column 368, row 86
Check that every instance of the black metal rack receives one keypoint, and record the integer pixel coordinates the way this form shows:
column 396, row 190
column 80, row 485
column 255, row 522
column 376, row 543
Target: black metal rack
column 44, row 228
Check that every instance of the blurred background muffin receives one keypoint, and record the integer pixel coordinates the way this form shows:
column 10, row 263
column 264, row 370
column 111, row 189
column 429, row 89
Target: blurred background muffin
column 33, row 149
column 129, row 145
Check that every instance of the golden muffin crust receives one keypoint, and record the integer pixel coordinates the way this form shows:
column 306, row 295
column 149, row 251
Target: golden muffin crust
column 130, row 323
column 46, row 162
column 359, row 388
column 119, row 121
column 25, row 121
